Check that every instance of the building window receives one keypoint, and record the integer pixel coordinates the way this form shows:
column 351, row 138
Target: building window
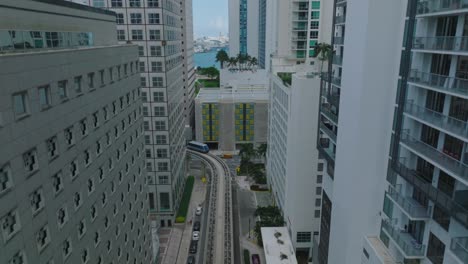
column 30, row 161
column 441, row 217
column 159, row 111
column 137, row 34
column 148, row 153
column 161, row 153
column 143, row 81
column 69, row 137
column 156, row 66
column 153, row 18
column 318, row 190
column 317, row 214
column 44, row 97
column 319, row 178
column 161, row 140
column 320, row 167
column 19, row 257
column 155, row 34
column 52, row 148
column 303, row 237
column 5, row 178
column 111, row 74
column 157, row 82
column 66, row 248
column 315, row 4
column 135, row 18
column 91, row 80
column 142, row 66
column 318, row 202
column 160, row 125
column 119, row 18
column 314, row 25
column 315, row 14
column 435, row 250
column 73, row 169
column 10, row 224
column 158, row 96
column 62, row 216
column 77, row 200
column 164, row 179
column 116, row 3
column 101, row 75
column 156, row 51
column 120, row 34
column 164, row 201
column 163, row 166
column 141, row 51
column 20, row 104
column 63, row 89
column 98, row 3
column 153, row 3
column 42, row 238
column 78, row 88
column 84, row 127
column 134, row 3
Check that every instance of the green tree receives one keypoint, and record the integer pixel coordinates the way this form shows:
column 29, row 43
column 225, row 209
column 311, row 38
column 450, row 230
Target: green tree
column 270, row 216
column 247, row 151
column 222, row 57
column 261, row 150
column 211, row 72
column 323, row 51
column 232, row 62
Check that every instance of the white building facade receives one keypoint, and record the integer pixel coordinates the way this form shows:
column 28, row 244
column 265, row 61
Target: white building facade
column 160, row 28
column 395, row 188
column 72, row 169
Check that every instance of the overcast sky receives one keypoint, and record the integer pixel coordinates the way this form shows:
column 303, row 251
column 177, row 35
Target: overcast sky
column 210, row 17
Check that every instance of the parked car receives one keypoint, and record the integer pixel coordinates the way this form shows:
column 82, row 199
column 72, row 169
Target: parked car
column 196, row 226
column 255, row 259
column 196, row 235
column 199, row 210
column 191, row 260
column 193, row 247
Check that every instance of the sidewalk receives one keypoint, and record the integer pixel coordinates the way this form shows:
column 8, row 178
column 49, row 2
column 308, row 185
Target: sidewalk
column 249, row 244
column 175, row 241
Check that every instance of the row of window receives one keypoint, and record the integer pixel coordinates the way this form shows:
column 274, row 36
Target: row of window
column 137, row 34
column 128, row 3
column 63, row 89
column 155, row 51
column 137, row 19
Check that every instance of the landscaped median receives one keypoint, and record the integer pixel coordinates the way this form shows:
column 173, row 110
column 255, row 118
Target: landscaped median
column 185, row 201
column 246, row 256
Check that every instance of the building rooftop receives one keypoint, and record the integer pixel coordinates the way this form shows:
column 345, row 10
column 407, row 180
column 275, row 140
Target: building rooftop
column 77, row 6
column 278, row 246
column 236, row 93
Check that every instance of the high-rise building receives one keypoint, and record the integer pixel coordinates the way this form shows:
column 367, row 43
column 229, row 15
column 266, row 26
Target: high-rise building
column 244, row 26
column 294, row 168
column 396, row 188
column 72, row 168
column 160, row 29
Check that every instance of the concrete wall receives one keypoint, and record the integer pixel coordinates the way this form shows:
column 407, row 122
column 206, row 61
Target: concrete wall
column 261, row 124
column 227, row 137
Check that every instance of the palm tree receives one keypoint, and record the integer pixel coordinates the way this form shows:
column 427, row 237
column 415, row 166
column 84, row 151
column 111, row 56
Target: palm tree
column 232, row 62
column 254, row 62
column 222, row 57
column 325, row 51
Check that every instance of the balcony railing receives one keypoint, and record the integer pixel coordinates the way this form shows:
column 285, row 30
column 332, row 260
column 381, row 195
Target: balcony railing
column 448, row 123
column 450, row 164
column 407, row 244
column 328, row 132
column 440, row 82
column 441, row 43
column 340, row 2
column 299, row 28
column 456, row 210
column 459, row 247
column 336, row 80
column 410, row 206
column 338, row 40
column 301, row 18
column 433, row 6
column 328, row 113
column 337, row 59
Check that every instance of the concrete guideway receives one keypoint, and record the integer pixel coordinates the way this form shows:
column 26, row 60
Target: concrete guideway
column 219, row 238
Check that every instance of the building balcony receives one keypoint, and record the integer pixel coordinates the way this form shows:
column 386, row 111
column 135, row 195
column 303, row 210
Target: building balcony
column 299, row 38
column 326, row 111
column 338, row 60
column 457, row 127
column 340, row 19
column 408, row 246
column 413, row 209
column 296, row 28
column 455, row 44
column 300, row 18
column 433, row 155
column 442, row 83
column 458, row 210
column 327, row 153
column 338, row 40
column 459, row 247
column 340, row 2
column 336, row 80
column 436, row 6
column 328, row 132
column 299, row 48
